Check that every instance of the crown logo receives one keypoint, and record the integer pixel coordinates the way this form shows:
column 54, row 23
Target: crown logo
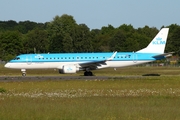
column 158, row 38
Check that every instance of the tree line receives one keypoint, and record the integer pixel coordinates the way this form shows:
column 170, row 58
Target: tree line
column 63, row 34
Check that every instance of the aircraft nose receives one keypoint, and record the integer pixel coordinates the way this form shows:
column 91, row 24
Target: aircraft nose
column 7, row 65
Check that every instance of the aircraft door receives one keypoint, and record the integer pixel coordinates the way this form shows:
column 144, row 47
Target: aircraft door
column 135, row 57
column 29, row 59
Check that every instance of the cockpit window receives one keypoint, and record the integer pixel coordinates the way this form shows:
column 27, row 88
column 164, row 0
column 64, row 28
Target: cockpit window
column 17, row 58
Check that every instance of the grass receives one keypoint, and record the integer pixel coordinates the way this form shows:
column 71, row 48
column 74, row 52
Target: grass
column 128, row 98
column 102, row 108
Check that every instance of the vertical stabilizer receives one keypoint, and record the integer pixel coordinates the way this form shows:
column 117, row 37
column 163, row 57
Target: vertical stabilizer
column 157, row 45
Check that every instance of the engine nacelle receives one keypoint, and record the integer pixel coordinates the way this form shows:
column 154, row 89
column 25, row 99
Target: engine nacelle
column 69, row 69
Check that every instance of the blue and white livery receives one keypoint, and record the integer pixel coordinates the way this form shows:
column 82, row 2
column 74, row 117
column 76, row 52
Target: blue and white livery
column 73, row 62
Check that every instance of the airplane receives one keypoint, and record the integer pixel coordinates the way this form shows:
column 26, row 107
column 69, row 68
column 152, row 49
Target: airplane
column 74, row 62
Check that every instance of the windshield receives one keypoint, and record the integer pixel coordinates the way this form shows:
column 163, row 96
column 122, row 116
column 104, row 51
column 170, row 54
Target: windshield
column 17, row 58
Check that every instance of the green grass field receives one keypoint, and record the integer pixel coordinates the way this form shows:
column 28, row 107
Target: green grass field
column 128, row 98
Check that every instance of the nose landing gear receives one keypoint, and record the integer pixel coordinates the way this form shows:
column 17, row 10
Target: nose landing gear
column 23, row 72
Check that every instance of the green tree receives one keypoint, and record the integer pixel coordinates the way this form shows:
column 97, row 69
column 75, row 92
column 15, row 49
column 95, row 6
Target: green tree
column 67, row 43
column 105, row 37
column 101, row 38
column 130, row 43
column 127, row 28
column 147, row 31
column 117, row 42
column 82, row 41
column 26, row 26
column 107, row 30
column 94, row 34
column 58, row 29
column 146, row 34
column 173, row 40
column 8, row 25
column 36, row 41
column 11, row 44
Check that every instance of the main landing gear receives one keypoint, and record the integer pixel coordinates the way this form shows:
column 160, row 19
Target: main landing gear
column 23, row 72
column 88, row 73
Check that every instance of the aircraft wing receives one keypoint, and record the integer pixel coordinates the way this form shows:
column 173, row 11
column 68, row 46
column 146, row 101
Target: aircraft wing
column 93, row 64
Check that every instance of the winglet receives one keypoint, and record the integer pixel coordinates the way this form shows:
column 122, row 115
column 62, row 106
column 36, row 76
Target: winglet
column 157, row 45
column 112, row 57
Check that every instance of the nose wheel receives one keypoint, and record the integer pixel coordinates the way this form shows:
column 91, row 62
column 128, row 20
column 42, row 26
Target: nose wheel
column 23, row 72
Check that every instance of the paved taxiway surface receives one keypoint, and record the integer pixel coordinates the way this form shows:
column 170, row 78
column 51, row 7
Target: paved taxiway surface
column 41, row 78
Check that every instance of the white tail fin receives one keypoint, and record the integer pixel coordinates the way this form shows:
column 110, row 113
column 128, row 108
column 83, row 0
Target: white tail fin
column 158, row 44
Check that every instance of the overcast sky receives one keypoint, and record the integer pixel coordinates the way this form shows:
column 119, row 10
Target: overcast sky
column 95, row 13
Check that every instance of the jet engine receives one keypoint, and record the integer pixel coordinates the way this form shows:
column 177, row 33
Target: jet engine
column 69, row 69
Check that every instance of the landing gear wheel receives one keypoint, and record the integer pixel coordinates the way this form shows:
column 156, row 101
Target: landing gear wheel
column 88, row 73
column 23, row 74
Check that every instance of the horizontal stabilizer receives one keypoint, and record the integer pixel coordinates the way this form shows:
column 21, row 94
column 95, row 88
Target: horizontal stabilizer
column 164, row 55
